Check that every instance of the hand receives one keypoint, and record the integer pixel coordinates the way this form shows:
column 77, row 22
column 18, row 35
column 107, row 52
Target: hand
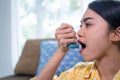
column 65, row 34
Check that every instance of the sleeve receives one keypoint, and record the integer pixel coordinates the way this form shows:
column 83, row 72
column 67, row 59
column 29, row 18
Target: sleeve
column 70, row 74
column 74, row 73
column 67, row 75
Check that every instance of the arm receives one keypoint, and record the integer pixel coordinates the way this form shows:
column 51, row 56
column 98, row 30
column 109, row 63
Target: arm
column 64, row 35
column 50, row 68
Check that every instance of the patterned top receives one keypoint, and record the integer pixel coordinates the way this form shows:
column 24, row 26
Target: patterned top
column 82, row 71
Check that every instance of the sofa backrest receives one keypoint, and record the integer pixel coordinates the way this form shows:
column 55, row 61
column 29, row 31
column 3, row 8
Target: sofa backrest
column 29, row 59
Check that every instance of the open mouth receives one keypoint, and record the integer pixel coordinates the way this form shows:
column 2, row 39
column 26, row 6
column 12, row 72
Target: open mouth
column 83, row 45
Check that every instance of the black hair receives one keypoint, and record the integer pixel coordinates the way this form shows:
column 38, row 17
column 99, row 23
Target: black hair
column 109, row 10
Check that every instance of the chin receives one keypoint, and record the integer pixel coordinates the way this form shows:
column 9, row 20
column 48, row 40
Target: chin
column 88, row 59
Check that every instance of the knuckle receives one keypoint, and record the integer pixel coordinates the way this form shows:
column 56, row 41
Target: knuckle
column 61, row 41
column 58, row 37
column 56, row 30
column 56, row 34
column 73, row 34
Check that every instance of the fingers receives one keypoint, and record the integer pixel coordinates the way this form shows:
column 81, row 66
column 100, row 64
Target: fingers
column 65, row 42
column 64, row 28
column 65, row 25
column 64, row 31
column 65, row 34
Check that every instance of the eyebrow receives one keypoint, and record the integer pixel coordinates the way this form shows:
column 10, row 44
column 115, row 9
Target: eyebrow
column 85, row 19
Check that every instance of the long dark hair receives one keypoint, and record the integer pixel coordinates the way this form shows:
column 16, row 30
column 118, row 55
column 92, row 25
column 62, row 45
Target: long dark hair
column 109, row 10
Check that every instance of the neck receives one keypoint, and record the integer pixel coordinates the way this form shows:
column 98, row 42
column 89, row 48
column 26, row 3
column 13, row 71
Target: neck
column 108, row 66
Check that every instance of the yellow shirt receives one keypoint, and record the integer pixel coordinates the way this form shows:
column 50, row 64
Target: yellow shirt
column 82, row 71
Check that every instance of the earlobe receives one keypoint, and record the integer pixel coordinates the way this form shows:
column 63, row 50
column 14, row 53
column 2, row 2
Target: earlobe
column 116, row 35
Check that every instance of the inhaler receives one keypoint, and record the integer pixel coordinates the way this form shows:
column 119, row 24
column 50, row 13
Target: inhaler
column 73, row 45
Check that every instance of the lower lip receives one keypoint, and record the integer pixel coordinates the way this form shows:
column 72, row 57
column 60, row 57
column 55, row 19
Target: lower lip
column 81, row 50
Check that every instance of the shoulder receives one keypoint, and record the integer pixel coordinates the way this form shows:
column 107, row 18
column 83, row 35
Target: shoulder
column 83, row 65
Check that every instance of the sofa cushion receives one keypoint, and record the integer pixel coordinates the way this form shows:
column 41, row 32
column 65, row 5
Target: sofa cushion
column 29, row 59
column 17, row 77
column 47, row 50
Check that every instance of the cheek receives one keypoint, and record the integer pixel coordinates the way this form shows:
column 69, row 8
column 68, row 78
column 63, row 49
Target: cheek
column 97, row 44
column 97, row 37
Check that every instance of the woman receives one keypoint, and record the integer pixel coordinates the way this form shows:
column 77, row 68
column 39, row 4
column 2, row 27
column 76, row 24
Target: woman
column 99, row 36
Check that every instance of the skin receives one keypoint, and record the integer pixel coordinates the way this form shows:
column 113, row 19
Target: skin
column 99, row 44
column 99, row 41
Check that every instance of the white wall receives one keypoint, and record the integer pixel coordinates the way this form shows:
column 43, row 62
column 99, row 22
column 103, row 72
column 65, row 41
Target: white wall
column 5, row 38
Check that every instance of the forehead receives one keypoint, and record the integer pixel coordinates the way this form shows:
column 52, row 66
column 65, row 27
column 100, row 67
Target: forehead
column 91, row 15
column 95, row 18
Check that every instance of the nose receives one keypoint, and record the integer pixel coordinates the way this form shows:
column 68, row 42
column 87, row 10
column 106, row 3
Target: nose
column 80, row 32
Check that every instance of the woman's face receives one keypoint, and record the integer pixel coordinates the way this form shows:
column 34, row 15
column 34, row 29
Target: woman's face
column 94, row 36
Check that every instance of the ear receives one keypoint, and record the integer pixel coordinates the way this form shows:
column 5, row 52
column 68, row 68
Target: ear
column 116, row 35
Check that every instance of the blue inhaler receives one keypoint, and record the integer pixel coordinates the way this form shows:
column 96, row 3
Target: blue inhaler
column 73, row 45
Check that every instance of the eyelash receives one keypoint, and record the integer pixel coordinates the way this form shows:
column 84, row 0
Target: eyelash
column 87, row 25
